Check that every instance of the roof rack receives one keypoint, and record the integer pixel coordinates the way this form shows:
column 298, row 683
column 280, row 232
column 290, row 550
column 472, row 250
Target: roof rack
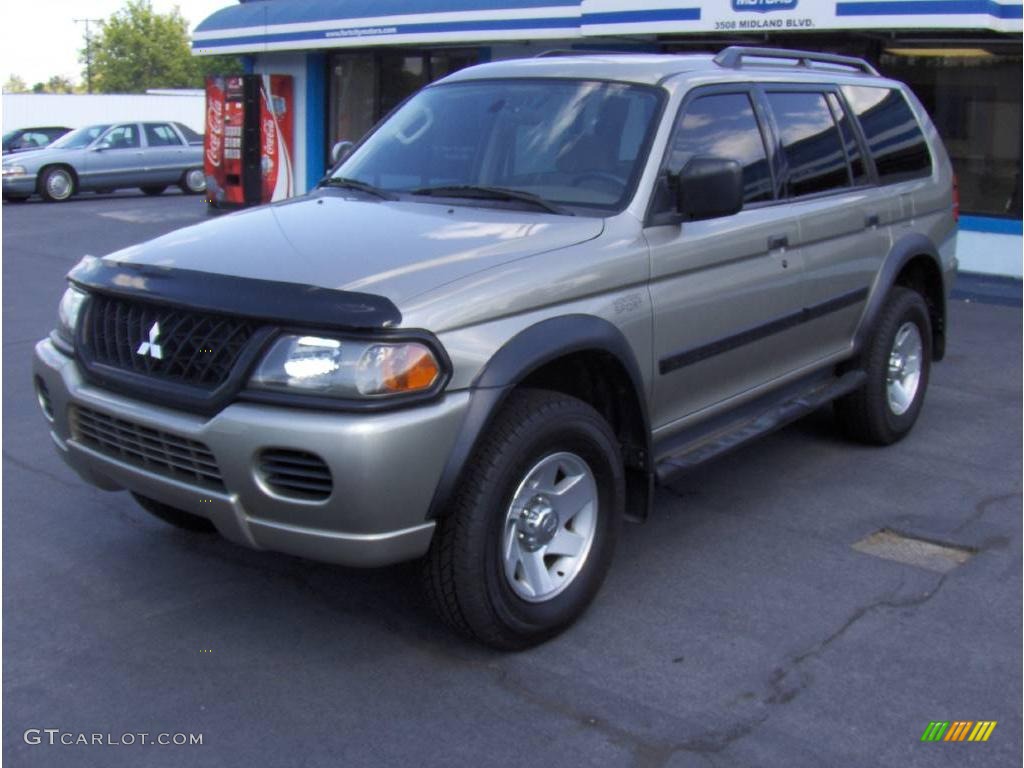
column 732, row 57
column 556, row 52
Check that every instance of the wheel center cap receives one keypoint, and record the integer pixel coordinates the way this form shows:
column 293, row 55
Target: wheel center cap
column 537, row 524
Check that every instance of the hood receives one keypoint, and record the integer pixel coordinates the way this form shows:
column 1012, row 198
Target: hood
column 36, row 157
column 391, row 249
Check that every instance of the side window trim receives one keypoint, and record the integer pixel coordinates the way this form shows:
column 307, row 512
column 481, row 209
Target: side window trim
column 862, row 140
column 746, row 89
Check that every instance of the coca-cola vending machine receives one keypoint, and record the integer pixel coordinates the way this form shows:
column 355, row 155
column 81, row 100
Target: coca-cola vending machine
column 248, row 140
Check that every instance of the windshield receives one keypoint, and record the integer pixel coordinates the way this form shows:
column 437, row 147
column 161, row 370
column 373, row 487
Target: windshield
column 82, row 137
column 572, row 143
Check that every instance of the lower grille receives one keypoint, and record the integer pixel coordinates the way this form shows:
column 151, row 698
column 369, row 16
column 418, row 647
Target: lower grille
column 152, row 449
column 296, row 473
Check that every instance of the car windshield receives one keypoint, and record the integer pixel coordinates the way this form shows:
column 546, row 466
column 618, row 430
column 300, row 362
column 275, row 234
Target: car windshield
column 562, row 142
column 9, row 138
column 79, row 138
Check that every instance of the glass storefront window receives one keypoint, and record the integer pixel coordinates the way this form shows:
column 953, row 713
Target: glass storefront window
column 366, row 86
column 974, row 97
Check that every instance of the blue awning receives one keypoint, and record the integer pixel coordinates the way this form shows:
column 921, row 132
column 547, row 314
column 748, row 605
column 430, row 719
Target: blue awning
column 265, row 25
column 268, row 25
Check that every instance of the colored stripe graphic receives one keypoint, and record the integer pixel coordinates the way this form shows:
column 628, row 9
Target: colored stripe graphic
column 982, row 730
column 958, row 730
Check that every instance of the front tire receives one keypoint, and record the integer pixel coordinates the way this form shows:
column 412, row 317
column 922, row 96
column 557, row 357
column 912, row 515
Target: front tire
column 193, row 181
column 57, row 185
column 174, row 516
column 897, row 361
column 529, row 536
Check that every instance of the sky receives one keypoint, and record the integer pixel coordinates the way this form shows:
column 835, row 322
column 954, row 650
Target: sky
column 39, row 38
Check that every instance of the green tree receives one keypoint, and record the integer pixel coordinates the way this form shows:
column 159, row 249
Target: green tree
column 138, row 48
column 15, row 84
column 60, row 84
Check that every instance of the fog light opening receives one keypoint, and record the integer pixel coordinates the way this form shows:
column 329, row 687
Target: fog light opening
column 43, row 397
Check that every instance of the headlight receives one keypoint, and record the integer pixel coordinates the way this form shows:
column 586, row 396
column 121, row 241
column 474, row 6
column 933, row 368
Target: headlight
column 14, row 170
column 67, row 313
column 347, row 368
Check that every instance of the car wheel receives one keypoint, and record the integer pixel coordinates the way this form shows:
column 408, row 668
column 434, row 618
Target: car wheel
column 527, row 541
column 57, row 185
column 897, row 361
column 174, row 516
column 193, row 181
column 154, row 191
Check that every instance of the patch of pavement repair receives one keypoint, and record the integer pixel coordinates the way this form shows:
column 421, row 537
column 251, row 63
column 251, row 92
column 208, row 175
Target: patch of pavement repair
column 930, row 555
column 146, row 216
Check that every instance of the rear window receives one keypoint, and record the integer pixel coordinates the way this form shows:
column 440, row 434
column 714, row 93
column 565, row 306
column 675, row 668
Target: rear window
column 811, row 143
column 894, row 137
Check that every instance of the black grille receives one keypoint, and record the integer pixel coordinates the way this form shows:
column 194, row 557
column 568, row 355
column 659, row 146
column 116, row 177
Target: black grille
column 152, row 449
column 296, row 473
column 192, row 348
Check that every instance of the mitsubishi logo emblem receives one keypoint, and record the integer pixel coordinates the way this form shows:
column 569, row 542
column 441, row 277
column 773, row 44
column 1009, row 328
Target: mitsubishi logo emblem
column 150, row 347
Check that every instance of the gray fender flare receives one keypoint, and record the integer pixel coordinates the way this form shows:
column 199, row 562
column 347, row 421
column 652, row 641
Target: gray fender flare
column 520, row 356
column 903, row 250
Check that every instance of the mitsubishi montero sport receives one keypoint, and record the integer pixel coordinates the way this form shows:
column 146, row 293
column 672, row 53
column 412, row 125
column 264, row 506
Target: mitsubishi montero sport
column 535, row 291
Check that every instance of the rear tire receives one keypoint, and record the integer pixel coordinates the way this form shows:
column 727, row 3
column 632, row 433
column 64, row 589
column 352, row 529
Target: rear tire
column 174, row 516
column 897, row 360
column 154, row 191
column 546, row 481
column 193, row 181
column 57, row 185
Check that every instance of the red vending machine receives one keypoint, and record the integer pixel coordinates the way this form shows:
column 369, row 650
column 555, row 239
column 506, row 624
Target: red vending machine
column 248, row 140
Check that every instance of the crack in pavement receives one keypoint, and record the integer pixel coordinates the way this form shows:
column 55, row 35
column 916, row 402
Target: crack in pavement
column 983, row 506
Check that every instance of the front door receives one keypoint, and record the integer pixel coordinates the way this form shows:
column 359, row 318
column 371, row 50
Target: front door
column 725, row 291
column 117, row 159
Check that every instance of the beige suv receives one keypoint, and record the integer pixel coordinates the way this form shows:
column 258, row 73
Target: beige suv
column 534, row 292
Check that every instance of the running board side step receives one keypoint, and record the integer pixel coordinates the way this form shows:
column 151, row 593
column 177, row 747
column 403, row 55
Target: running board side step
column 772, row 417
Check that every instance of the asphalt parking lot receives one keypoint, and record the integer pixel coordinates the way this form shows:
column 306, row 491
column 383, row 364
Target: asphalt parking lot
column 738, row 627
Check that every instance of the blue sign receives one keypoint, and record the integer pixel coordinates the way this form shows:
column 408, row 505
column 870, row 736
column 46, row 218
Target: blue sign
column 763, row 6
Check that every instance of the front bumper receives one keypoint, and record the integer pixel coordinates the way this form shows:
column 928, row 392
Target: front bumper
column 385, row 467
column 19, row 185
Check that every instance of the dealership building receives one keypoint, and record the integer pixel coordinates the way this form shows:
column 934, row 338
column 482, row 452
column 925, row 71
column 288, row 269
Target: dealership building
column 354, row 60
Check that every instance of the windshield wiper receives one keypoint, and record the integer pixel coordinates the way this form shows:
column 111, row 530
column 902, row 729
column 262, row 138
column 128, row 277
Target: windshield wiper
column 361, row 186
column 472, row 191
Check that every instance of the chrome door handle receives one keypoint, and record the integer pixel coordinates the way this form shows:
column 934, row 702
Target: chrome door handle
column 778, row 242
column 872, row 220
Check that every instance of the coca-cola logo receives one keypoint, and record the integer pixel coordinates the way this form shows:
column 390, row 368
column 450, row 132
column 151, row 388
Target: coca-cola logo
column 269, row 138
column 214, row 131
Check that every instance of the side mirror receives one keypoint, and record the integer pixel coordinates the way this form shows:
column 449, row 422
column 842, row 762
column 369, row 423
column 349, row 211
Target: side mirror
column 340, row 151
column 709, row 187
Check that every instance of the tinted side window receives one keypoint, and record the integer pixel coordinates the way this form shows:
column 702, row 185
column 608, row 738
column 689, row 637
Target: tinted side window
column 893, row 134
column 810, row 142
column 161, row 135
column 724, row 126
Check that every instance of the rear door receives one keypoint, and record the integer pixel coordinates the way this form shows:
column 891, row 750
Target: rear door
column 843, row 222
column 725, row 291
column 165, row 153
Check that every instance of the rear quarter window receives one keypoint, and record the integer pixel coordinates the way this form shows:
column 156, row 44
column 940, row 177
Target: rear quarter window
column 894, row 136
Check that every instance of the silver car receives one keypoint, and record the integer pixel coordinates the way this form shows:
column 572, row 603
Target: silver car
column 102, row 158
column 535, row 292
